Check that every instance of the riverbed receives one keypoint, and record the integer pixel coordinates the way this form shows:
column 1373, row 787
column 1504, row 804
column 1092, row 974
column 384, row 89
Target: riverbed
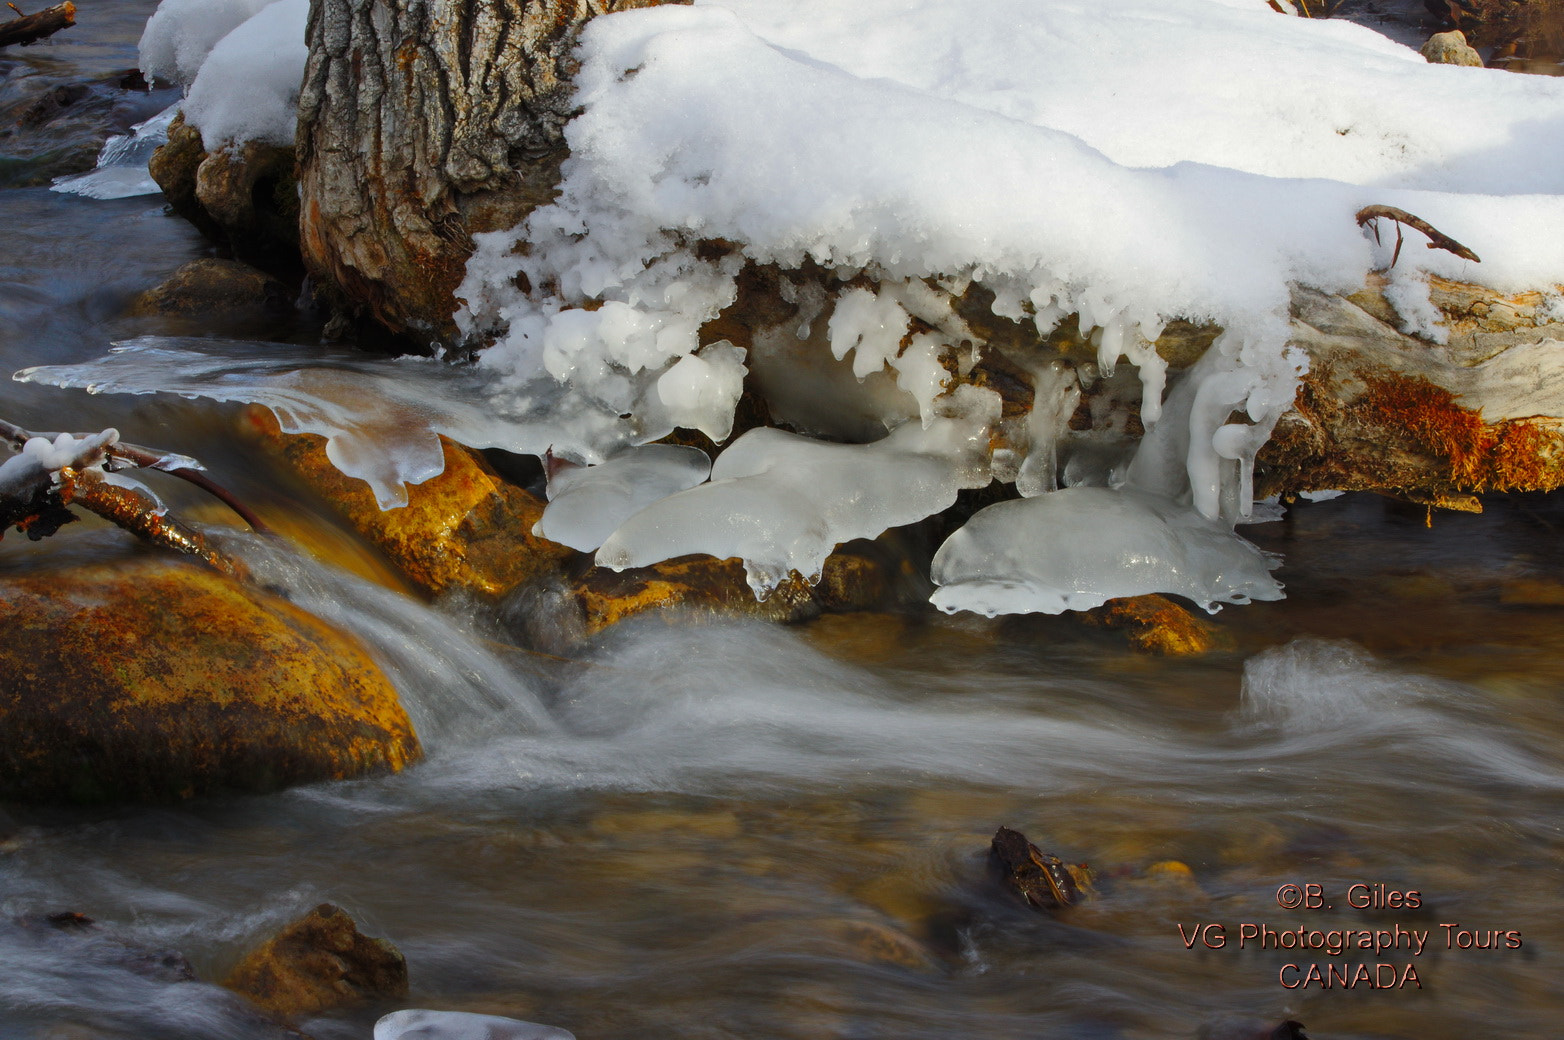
column 752, row 832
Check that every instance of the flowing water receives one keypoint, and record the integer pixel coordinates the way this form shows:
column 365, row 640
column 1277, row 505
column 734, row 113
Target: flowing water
column 740, row 831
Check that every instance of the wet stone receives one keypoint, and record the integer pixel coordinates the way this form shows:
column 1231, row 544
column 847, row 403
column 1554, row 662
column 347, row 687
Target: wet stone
column 319, row 962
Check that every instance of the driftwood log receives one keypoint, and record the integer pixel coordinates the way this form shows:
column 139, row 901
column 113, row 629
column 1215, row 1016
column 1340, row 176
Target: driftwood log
column 31, row 28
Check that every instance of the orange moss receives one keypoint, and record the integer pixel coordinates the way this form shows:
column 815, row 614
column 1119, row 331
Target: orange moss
column 1514, row 455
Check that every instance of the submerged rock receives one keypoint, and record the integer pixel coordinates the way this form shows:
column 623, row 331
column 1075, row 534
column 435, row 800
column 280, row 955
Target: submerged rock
column 1042, row 880
column 159, row 680
column 319, row 962
column 1157, row 625
column 212, row 286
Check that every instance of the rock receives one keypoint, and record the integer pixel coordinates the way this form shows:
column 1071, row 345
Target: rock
column 462, row 1025
column 246, row 196
column 1042, row 880
column 158, row 680
column 880, row 944
column 173, row 166
column 319, row 962
column 466, row 529
column 1450, row 48
column 211, row 286
column 1157, row 625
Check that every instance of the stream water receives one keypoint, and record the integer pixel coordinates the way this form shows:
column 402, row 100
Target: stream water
column 739, row 831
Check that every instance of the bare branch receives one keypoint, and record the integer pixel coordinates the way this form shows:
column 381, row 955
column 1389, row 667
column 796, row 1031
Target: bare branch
column 1436, row 239
column 143, row 516
column 131, row 455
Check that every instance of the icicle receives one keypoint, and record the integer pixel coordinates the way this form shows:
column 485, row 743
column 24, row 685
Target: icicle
column 1055, row 394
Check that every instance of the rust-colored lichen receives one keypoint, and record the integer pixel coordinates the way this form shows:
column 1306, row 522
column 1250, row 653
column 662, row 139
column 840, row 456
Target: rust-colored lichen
column 1514, row 455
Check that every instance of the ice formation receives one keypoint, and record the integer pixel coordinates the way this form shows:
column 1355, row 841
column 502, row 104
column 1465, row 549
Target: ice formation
column 783, row 502
column 121, row 172
column 381, row 418
column 587, row 503
column 42, row 458
column 1079, row 547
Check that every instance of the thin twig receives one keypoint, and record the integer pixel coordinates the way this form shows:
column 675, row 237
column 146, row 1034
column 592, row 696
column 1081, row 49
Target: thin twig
column 1436, row 239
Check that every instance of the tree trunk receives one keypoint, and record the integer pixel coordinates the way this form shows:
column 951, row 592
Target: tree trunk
column 421, row 123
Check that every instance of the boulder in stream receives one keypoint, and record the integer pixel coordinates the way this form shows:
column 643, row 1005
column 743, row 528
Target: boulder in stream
column 155, row 681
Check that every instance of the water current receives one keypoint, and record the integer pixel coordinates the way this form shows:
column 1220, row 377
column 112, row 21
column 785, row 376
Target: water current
column 742, row 831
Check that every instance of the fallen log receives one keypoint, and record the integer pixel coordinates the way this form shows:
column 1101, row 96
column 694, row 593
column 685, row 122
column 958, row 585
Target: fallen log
column 30, row 28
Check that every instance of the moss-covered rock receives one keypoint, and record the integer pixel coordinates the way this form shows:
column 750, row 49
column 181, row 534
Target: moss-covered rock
column 158, row 680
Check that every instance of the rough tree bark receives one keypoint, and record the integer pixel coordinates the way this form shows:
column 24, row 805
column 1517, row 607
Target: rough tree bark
column 422, row 123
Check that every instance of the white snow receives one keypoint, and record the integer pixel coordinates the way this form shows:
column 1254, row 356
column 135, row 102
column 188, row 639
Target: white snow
column 248, row 87
column 181, row 33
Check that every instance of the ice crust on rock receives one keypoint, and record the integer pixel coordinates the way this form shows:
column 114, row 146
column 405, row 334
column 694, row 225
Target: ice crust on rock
column 1077, row 548
column 783, row 502
column 586, row 504
column 382, row 419
column 418, row 1024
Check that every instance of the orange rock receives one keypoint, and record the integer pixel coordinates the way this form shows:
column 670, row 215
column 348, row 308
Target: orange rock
column 464, row 529
column 1157, row 625
column 702, row 585
column 320, row 962
column 160, row 680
